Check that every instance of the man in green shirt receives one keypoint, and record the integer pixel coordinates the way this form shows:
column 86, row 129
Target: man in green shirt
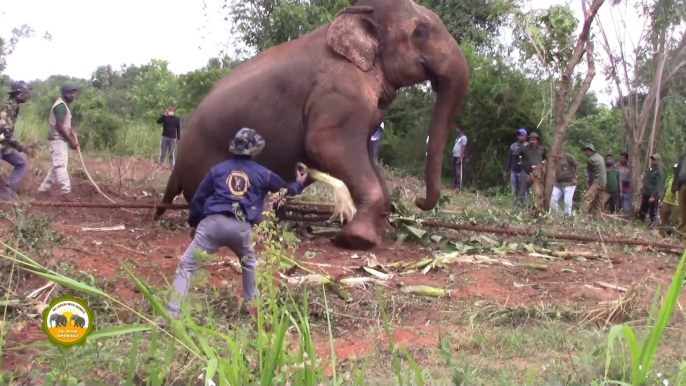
column 652, row 189
column 596, row 181
column 60, row 134
column 612, row 189
column 533, row 159
column 670, row 204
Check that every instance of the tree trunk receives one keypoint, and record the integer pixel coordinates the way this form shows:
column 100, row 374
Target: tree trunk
column 584, row 46
column 636, row 172
column 657, row 123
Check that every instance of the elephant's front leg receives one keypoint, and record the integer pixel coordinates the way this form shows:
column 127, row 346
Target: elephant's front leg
column 338, row 146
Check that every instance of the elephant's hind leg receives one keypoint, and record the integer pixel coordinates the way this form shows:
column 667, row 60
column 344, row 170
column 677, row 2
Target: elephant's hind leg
column 338, row 145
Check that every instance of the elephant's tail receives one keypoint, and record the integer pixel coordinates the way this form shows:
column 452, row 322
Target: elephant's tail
column 173, row 189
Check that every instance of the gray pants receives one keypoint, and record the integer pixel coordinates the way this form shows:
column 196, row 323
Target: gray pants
column 213, row 232
column 374, row 150
column 523, row 187
column 17, row 160
column 457, row 173
column 58, row 172
column 167, row 145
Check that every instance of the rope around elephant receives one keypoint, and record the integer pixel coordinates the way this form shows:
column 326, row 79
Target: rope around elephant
column 322, row 213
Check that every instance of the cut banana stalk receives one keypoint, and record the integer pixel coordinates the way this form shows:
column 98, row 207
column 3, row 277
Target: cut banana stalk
column 351, row 281
column 377, row 274
column 425, row 290
column 344, row 207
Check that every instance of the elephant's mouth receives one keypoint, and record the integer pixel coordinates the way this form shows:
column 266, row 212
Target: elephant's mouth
column 429, row 72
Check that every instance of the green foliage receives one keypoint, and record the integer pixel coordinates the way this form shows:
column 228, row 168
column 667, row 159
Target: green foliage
column 642, row 354
column 261, row 24
column 547, row 35
column 196, row 84
column 476, row 21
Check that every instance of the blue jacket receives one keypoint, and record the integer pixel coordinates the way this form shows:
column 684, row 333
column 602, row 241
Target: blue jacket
column 237, row 187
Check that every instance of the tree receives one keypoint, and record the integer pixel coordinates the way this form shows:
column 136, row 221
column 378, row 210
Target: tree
column 7, row 46
column 195, row 85
column 641, row 72
column 547, row 36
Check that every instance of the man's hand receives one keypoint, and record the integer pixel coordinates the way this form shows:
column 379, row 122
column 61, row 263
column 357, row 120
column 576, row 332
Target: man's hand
column 300, row 177
column 73, row 142
column 192, row 233
column 575, row 181
column 29, row 152
column 651, row 200
column 505, row 175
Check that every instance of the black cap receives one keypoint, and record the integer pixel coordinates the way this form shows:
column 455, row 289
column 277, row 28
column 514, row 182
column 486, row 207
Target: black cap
column 18, row 87
column 68, row 88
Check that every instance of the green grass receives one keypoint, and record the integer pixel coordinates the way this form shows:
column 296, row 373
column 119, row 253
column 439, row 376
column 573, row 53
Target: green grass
column 281, row 346
column 514, row 349
column 133, row 139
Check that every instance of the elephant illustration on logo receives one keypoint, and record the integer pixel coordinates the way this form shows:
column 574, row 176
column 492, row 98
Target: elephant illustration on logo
column 58, row 320
column 77, row 321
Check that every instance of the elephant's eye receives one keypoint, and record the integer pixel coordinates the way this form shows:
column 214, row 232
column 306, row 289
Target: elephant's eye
column 421, row 32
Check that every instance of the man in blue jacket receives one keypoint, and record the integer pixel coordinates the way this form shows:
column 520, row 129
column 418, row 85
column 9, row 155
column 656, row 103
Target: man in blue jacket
column 224, row 209
column 513, row 168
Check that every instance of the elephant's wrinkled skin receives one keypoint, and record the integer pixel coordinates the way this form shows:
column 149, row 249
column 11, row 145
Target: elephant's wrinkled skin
column 318, row 98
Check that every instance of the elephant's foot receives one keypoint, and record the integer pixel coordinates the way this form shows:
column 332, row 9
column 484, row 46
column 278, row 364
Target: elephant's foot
column 358, row 235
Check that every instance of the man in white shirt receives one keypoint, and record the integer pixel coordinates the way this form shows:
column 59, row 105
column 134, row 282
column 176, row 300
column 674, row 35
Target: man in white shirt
column 458, row 156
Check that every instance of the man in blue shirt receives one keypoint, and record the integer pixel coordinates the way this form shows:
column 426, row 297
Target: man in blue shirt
column 513, row 168
column 227, row 204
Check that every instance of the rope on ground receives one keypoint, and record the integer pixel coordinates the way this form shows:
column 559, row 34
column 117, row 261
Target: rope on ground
column 516, row 231
column 300, row 208
column 99, row 205
column 554, row 235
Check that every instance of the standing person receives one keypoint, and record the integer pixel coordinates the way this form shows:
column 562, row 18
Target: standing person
column 596, row 181
column 458, row 157
column 651, row 190
column 670, row 204
column 227, row 204
column 514, row 168
column 625, row 182
column 60, row 134
column 171, row 132
column 533, row 159
column 374, row 143
column 11, row 147
column 565, row 183
column 678, row 192
column 613, row 203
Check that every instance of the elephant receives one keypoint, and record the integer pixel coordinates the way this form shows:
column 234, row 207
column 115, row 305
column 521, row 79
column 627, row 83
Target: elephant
column 77, row 321
column 318, row 98
column 58, row 320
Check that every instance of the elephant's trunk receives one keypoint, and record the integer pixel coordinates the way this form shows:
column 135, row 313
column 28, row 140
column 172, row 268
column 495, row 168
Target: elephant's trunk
column 451, row 83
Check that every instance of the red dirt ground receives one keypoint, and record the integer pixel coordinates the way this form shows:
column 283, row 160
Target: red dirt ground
column 153, row 252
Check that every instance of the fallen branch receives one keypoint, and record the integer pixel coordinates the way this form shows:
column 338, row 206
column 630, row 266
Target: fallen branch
column 611, row 286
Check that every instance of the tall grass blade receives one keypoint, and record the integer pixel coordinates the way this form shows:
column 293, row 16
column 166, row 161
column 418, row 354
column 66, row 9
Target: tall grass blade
column 133, row 354
column 70, row 283
column 665, row 313
column 116, row 331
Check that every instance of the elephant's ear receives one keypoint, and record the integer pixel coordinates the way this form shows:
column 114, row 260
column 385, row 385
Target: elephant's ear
column 350, row 35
